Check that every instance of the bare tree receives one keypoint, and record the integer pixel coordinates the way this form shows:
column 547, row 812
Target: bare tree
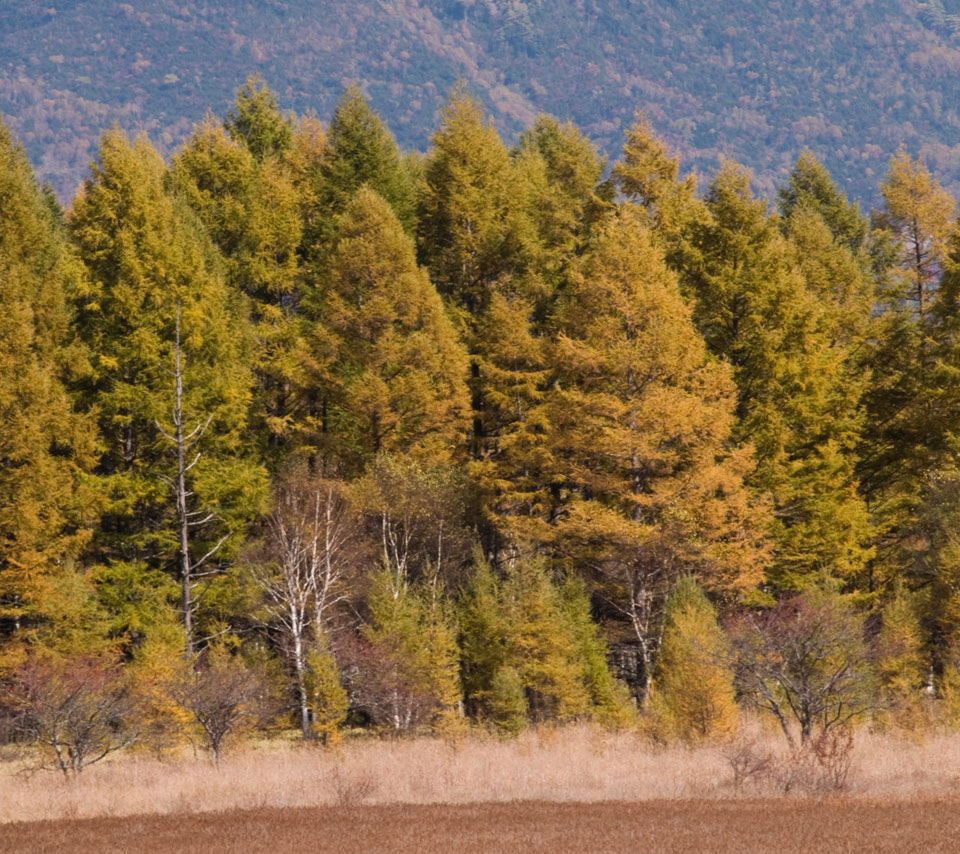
column 309, row 554
column 806, row 662
column 221, row 692
column 189, row 517
column 78, row 710
column 416, row 513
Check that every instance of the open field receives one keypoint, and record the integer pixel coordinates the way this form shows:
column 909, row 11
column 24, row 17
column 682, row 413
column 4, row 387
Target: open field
column 837, row 826
column 575, row 765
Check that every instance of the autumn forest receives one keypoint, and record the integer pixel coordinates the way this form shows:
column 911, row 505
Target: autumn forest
column 303, row 432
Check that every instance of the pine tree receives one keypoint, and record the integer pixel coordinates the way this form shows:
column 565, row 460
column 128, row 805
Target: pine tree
column 47, row 447
column 171, row 377
column 693, row 697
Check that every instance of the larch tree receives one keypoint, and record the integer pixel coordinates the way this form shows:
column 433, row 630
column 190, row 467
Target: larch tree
column 253, row 210
column 530, row 650
column 912, row 355
column 570, row 194
column 256, row 121
column 362, row 151
column 648, row 175
column 47, row 446
column 170, row 380
column 640, row 481
column 796, row 402
column 693, row 698
column 399, row 375
column 481, row 245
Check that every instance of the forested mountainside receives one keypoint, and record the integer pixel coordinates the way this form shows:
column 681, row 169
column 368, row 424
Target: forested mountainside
column 756, row 81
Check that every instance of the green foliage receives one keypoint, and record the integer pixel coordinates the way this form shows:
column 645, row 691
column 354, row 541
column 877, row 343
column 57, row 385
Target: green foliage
column 47, row 446
column 508, row 703
column 415, row 644
column 362, row 151
column 903, row 665
column 256, row 121
column 530, row 648
column 693, row 696
column 327, row 696
column 155, row 299
column 629, row 396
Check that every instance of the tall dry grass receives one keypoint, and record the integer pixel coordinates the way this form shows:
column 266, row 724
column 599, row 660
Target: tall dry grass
column 575, row 764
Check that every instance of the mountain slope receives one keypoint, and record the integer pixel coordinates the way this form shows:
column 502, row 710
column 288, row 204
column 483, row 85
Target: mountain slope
column 758, row 81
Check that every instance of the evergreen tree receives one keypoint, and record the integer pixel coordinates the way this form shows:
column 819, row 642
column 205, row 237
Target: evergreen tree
column 47, row 447
column 530, row 649
column 170, row 379
column 912, row 356
column 810, row 186
column 363, row 151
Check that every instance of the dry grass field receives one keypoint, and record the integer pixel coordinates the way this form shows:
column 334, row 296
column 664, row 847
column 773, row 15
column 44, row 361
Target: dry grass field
column 837, row 826
column 575, row 764
column 575, row 789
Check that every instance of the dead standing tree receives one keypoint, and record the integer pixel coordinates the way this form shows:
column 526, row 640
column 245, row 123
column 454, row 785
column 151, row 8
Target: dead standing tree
column 308, row 555
column 189, row 517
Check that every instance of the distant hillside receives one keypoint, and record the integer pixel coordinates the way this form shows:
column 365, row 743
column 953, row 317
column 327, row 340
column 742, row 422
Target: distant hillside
column 758, row 81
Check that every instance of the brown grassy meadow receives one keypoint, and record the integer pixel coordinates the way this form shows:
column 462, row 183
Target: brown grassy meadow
column 574, row 789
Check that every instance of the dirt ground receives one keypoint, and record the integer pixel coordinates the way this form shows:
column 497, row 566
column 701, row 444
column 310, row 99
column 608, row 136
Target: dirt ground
column 713, row 827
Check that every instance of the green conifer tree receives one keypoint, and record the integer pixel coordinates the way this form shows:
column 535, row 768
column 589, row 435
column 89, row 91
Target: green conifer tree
column 693, row 696
column 399, row 376
column 415, row 639
column 47, row 447
column 363, row 151
column 256, row 120
column 170, row 381
column 531, row 650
